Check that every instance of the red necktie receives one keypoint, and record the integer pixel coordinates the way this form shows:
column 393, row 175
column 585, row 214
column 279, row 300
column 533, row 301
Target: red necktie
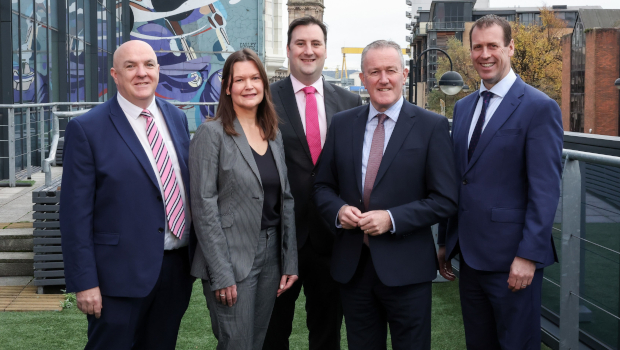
column 313, row 133
column 374, row 161
column 175, row 213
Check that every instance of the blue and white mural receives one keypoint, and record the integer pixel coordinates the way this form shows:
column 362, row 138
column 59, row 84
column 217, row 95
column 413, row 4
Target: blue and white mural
column 192, row 39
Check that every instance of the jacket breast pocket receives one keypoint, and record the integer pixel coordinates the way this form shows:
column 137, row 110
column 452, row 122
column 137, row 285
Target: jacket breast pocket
column 507, row 132
column 516, row 216
column 106, row 238
column 227, row 220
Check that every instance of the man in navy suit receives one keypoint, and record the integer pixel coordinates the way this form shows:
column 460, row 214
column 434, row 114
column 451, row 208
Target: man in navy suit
column 125, row 217
column 386, row 176
column 507, row 140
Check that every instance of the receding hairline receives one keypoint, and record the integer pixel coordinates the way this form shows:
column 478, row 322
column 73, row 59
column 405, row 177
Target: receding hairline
column 383, row 44
column 126, row 46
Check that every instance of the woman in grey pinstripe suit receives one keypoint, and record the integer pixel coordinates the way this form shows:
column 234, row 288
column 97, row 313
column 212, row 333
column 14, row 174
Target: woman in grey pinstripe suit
column 242, row 207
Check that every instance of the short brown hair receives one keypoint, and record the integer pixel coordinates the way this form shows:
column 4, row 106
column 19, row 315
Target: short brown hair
column 489, row 20
column 266, row 116
column 305, row 21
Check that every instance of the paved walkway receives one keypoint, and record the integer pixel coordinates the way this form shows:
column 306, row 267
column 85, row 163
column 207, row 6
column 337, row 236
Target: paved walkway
column 16, row 219
column 16, row 202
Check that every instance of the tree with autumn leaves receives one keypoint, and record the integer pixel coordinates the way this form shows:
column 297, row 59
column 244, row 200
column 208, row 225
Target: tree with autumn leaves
column 537, row 59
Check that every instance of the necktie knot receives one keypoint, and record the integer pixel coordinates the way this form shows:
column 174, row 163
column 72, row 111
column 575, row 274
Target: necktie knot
column 146, row 114
column 382, row 117
column 309, row 90
column 487, row 95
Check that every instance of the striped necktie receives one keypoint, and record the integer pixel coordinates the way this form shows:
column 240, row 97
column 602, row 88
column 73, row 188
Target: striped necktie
column 175, row 212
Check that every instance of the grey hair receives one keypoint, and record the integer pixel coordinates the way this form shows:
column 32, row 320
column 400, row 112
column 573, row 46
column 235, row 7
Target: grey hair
column 383, row 44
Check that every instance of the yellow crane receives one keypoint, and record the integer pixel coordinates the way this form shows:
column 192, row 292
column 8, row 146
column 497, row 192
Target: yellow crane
column 357, row 51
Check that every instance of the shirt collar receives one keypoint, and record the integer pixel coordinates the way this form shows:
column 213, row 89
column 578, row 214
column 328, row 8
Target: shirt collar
column 298, row 85
column 501, row 88
column 132, row 110
column 393, row 112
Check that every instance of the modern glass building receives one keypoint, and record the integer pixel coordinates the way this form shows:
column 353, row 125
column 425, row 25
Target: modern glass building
column 61, row 51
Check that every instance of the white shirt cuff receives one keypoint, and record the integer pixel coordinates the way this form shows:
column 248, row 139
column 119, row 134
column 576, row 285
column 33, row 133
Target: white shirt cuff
column 393, row 224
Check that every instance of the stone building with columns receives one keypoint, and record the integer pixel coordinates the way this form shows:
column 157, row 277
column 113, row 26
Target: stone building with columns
column 301, row 8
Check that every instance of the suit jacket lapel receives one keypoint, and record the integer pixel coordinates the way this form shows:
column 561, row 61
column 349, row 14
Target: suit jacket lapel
column 359, row 128
column 129, row 136
column 246, row 151
column 331, row 102
column 287, row 96
column 509, row 103
column 401, row 130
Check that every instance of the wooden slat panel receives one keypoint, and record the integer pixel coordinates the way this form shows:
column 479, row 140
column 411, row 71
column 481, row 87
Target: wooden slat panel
column 47, row 249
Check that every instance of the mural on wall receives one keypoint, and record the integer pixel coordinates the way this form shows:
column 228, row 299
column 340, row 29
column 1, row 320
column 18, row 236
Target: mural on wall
column 192, row 39
column 33, row 86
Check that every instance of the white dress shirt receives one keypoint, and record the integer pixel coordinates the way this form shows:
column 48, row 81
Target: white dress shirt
column 132, row 112
column 499, row 90
column 300, row 97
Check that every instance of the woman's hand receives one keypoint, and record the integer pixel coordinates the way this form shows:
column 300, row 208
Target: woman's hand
column 228, row 295
column 286, row 282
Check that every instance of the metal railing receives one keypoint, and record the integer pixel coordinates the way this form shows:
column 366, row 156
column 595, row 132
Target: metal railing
column 445, row 26
column 573, row 219
column 40, row 109
column 51, row 159
column 54, row 128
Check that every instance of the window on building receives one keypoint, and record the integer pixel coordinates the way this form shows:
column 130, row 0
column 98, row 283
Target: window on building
column 577, row 78
column 568, row 17
column 448, row 12
column 528, row 18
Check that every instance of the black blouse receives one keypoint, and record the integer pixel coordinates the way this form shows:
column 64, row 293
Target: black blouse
column 271, row 188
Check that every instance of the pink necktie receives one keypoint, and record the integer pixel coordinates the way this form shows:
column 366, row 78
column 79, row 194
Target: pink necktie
column 313, row 133
column 175, row 213
column 374, row 161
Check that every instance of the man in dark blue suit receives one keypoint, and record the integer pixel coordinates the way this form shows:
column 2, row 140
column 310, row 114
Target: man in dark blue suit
column 125, row 218
column 507, row 140
column 386, row 175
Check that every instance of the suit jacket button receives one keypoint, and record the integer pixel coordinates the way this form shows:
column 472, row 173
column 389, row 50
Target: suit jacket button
column 465, row 182
column 159, row 198
column 161, row 230
column 312, row 174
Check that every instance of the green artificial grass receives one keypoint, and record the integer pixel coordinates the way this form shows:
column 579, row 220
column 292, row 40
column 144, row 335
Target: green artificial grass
column 67, row 329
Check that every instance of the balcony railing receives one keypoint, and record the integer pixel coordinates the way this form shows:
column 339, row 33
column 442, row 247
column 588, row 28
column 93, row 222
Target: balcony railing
column 580, row 296
column 436, row 26
column 42, row 135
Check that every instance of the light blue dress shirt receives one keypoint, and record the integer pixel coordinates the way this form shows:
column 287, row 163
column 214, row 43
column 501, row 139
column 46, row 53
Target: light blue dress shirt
column 371, row 124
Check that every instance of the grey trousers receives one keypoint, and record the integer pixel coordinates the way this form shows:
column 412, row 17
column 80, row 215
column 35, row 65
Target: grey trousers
column 243, row 326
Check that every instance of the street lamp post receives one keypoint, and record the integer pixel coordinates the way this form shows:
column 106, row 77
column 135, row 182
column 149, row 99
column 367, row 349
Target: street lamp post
column 450, row 83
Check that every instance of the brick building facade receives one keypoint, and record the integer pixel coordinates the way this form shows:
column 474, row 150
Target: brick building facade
column 591, row 64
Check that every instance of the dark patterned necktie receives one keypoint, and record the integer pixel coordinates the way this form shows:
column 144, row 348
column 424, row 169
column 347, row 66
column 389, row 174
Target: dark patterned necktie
column 475, row 137
column 374, row 161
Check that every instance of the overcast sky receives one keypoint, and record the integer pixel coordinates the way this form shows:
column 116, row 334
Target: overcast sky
column 356, row 23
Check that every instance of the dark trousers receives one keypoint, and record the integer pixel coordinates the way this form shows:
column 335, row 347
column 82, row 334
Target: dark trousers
column 495, row 317
column 323, row 308
column 151, row 322
column 369, row 306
